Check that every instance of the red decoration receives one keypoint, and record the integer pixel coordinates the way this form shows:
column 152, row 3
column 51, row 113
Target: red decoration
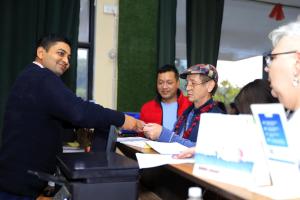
column 277, row 12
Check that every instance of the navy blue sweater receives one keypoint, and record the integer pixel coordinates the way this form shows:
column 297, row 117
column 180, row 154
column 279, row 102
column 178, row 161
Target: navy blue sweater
column 38, row 107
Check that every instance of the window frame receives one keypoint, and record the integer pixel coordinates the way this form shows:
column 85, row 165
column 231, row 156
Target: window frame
column 89, row 46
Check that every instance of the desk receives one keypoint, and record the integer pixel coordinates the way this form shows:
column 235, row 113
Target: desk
column 173, row 181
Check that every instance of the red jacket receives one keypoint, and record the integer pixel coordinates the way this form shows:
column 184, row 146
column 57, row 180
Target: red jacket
column 151, row 111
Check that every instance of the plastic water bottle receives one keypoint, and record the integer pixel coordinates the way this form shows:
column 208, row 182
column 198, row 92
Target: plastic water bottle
column 195, row 193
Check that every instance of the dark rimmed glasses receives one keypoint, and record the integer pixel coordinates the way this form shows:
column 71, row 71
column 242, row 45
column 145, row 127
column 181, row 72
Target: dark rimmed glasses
column 270, row 57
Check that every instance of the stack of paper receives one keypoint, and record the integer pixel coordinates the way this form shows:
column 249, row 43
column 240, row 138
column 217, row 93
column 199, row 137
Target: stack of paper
column 154, row 160
column 134, row 141
column 166, row 150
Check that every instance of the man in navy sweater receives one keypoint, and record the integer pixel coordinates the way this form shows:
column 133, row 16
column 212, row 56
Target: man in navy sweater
column 38, row 108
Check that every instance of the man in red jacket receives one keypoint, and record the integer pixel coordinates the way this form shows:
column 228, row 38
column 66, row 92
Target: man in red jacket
column 169, row 102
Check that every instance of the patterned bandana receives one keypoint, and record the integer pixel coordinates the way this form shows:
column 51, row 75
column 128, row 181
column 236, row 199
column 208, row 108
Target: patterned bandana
column 196, row 119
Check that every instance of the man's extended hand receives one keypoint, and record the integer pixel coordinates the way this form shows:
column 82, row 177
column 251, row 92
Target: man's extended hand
column 140, row 126
column 152, row 131
column 133, row 124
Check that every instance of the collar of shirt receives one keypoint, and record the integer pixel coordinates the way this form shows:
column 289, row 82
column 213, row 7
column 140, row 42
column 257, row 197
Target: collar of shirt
column 39, row 64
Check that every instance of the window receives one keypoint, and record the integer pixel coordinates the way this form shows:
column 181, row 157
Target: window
column 240, row 72
column 181, row 60
column 85, row 50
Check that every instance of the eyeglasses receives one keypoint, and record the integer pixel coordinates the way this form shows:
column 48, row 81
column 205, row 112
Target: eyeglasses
column 270, row 57
column 194, row 84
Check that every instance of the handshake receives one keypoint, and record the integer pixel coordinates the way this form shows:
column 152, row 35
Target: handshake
column 151, row 130
column 133, row 124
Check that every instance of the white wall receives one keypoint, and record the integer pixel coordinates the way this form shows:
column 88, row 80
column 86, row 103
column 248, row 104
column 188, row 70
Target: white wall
column 105, row 66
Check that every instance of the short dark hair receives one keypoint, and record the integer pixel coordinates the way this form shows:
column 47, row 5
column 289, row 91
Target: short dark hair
column 50, row 39
column 168, row 68
column 234, row 109
column 257, row 91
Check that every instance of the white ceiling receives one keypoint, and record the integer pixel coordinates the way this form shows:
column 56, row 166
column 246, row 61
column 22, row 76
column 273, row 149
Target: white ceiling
column 246, row 26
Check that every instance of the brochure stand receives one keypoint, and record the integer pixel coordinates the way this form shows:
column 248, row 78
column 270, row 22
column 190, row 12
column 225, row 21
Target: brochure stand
column 282, row 160
column 230, row 150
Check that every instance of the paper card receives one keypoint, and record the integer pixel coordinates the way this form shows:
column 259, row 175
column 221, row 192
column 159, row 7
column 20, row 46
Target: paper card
column 229, row 149
column 282, row 160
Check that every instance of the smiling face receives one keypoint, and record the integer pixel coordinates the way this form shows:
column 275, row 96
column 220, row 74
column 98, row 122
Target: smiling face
column 56, row 58
column 167, row 86
column 283, row 70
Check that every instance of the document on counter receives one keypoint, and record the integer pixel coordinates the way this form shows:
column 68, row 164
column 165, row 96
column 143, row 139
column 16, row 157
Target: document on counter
column 166, row 151
column 166, row 147
column 134, row 141
column 68, row 149
column 154, row 160
column 283, row 191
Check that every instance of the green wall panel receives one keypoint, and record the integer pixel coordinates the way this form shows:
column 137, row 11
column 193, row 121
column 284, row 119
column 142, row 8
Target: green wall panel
column 137, row 53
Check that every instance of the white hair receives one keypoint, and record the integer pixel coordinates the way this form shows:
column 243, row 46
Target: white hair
column 290, row 29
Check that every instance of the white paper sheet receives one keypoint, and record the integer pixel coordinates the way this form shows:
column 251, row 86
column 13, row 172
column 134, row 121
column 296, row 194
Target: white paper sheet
column 68, row 149
column 166, row 148
column 134, row 141
column 154, row 160
column 284, row 191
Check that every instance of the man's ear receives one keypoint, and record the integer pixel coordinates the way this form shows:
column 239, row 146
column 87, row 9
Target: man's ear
column 210, row 85
column 40, row 52
column 178, row 83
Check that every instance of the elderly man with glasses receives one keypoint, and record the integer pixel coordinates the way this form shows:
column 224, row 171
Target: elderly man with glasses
column 201, row 84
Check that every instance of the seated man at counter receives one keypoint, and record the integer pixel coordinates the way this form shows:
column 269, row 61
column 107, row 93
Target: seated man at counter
column 38, row 108
column 201, row 84
column 169, row 102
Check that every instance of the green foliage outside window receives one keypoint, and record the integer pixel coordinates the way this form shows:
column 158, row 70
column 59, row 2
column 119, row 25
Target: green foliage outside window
column 226, row 92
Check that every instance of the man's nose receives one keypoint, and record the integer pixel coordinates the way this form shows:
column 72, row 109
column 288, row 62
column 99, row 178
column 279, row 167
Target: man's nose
column 165, row 85
column 66, row 60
